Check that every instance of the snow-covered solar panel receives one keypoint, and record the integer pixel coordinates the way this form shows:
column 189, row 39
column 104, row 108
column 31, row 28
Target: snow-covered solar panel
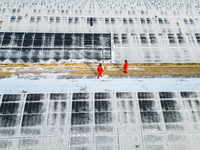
column 114, row 120
column 142, row 32
column 23, row 47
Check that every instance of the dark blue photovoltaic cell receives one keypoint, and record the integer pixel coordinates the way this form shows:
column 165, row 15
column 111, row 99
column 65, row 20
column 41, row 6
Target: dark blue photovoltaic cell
column 39, row 36
column 38, row 43
column 57, row 106
column 80, row 106
column 32, row 120
column 80, row 118
column 9, row 120
column 145, row 95
column 36, row 107
column 103, row 118
column 58, row 43
column 197, row 35
column 188, row 94
column 6, row 42
column 35, row 97
column 173, row 117
column 67, row 55
column 102, row 96
column 101, row 106
column 27, row 43
column 150, row 117
column 58, row 96
column 29, row 36
column 79, row 96
column 19, row 36
column 11, row 97
column 169, row 105
column 8, row 35
column 9, row 108
column 166, row 94
column 147, row 105
column 126, row 95
column 59, row 36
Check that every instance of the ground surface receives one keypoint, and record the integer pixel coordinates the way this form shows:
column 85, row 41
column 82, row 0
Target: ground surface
column 71, row 71
column 83, row 78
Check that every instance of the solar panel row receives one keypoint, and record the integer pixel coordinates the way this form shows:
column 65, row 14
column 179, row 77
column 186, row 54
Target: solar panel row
column 100, row 120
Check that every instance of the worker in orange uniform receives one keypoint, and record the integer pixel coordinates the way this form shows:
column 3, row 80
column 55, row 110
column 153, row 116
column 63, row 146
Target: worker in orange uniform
column 125, row 66
column 100, row 70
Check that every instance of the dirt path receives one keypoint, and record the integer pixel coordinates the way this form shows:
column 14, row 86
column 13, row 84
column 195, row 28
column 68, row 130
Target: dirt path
column 112, row 70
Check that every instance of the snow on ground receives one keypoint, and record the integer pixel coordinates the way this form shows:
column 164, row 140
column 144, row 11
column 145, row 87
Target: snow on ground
column 50, row 83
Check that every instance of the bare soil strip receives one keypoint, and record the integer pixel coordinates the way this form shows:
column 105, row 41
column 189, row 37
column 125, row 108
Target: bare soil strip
column 112, row 70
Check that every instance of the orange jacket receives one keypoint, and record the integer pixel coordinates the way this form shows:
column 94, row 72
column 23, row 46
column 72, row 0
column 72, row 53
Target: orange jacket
column 125, row 65
column 100, row 69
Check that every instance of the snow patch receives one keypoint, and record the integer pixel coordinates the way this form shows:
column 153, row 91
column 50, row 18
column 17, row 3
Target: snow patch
column 135, row 68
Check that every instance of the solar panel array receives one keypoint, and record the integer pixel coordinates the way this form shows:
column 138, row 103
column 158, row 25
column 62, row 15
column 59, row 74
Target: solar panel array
column 20, row 47
column 141, row 31
column 100, row 120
